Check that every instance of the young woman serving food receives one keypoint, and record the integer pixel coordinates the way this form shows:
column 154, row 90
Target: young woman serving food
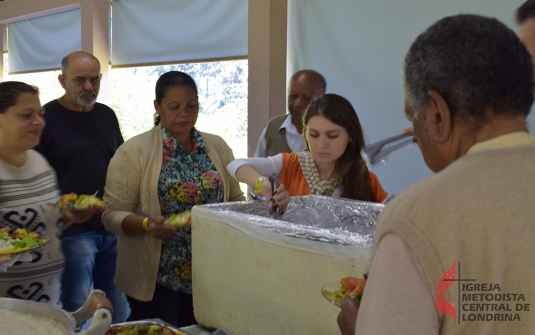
column 332, row 166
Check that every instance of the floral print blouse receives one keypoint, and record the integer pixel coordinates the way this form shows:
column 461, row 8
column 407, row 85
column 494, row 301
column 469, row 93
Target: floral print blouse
column 186, row 179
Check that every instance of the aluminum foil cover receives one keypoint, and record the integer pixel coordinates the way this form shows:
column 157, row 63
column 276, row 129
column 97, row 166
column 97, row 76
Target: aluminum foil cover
column 313, row 217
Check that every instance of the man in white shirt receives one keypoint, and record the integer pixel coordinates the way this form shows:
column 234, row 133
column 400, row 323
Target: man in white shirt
column 284, row 132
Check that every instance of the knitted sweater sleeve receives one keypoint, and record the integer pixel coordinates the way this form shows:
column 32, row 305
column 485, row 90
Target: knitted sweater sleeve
column 221, row 155
column 122, row 189
column 235, row 192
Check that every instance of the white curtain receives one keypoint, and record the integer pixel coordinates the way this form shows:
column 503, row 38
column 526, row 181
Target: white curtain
column 163, row 31
column 359, row 46
column 41, row 43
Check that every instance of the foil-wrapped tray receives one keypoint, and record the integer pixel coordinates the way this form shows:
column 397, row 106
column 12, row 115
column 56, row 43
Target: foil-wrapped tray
column 313, row 217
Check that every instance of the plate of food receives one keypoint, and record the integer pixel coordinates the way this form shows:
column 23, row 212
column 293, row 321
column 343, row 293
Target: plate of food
column 180, row 219
column 74, row 201
column 142, row 328
column 349, row 287
column 20, row 241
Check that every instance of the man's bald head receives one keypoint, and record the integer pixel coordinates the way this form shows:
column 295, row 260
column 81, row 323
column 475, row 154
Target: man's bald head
column 305, row 85
column 309, row 76
column 75, row 57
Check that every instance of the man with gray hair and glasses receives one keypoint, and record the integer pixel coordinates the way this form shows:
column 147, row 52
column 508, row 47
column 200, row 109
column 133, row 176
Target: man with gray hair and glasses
column 454, row 253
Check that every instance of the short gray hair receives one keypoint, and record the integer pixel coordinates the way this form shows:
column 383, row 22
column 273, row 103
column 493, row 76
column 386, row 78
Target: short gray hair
column 476, row 63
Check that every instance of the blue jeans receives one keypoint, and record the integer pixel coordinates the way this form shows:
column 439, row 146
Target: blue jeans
column 90, row 261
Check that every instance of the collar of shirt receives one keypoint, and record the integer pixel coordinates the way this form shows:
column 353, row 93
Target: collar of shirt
column 504, row 141
column 197, row 140
column 290, row 127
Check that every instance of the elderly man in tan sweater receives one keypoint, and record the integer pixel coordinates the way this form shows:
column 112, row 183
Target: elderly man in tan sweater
column 455, row 253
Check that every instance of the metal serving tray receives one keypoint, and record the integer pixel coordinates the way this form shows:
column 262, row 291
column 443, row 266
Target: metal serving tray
column 151, row 322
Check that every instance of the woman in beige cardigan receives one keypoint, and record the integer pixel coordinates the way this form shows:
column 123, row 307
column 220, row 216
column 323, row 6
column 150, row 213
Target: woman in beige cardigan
column 164, row 171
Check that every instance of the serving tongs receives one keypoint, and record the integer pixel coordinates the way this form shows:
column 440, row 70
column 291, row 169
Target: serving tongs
column 275, row 183
column 379, row 151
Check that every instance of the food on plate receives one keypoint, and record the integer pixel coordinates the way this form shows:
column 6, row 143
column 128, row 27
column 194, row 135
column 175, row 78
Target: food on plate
column 142, row 329
column 85, row 201
column 351, row 287
column 22, row 233
column 19, row 240
column 80, row 202
column 17, row 323
column 66, row 200
column 180, row 219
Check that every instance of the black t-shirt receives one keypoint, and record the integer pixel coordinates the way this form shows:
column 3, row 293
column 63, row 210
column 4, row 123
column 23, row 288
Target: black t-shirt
column 79, row 146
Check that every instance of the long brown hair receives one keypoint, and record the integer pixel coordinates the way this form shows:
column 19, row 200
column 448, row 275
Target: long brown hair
column 350, row 166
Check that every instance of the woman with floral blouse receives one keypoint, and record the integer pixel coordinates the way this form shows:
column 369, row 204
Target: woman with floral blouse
column 162, row 172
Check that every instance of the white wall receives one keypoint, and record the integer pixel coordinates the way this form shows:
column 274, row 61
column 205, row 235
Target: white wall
column 359, row 46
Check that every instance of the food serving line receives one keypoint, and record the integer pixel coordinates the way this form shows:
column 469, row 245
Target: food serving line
column 253, row 274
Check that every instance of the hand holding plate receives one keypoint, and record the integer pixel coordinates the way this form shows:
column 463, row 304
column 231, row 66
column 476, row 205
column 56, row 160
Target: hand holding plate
column 347, row 318
column 158, row 229
column 80, row 215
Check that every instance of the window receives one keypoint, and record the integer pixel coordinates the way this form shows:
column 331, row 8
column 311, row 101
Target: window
column 47, row 82
column 222, row 88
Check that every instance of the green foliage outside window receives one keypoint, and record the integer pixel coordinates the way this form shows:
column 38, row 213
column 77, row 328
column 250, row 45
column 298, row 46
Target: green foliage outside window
column 222, row 90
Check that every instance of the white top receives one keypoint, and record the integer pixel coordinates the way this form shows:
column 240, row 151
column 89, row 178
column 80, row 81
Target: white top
column 266, row 167
column 396, row 276
column 293, row 137
column 27, row 197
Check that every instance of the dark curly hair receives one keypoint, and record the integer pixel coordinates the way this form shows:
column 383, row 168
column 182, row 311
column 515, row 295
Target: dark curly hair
column 476, row 63
column 350, row 166
column 9, row 92
column 171, row 78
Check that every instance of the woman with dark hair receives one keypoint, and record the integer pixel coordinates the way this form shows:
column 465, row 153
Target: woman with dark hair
column 164, row 171
column 332, row 166
column 28, row 192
